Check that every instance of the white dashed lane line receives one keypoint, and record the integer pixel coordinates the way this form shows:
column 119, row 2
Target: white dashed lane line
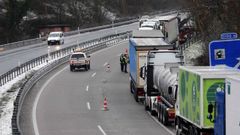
column 88, row 106
column 93, row 74
column 100, row 128
column 87, row 88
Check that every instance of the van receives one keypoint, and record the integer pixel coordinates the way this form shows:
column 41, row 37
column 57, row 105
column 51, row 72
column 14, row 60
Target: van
column 148, row 26
column 55, row 38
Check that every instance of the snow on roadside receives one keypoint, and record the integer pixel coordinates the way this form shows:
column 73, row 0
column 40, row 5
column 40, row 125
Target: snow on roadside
column 192, row 52
column 7, row 99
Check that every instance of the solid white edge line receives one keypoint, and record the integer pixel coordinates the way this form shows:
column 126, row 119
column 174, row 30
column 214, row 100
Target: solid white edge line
column 34, row 111
column 93, row 74
column 100, row 128
column 88, row 106
column 87, row 88
column 155, row 119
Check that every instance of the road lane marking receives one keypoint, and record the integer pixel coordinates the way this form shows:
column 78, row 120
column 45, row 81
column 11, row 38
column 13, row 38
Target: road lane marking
column 105, row 64
column 34, row 112
column 87, row 88
column 93, row 74
column 119, row 54
column 156, row 120
column 100, row 128
column 88, row 106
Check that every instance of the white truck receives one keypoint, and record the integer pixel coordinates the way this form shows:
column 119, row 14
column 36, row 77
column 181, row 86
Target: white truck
column 196, row 98
column 161, row 81
column 169, row 27
column 232, row 112
column 227, row 118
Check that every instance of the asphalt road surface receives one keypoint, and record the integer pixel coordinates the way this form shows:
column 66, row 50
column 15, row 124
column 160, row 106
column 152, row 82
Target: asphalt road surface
column 10, row 59
column 71, row 103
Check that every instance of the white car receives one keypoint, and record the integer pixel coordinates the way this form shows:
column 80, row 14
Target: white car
column 148, row 26
column 55, row 38
column 79, row 60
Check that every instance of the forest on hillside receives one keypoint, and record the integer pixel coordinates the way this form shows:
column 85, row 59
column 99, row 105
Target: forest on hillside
column 213, row 17
column 20, row 19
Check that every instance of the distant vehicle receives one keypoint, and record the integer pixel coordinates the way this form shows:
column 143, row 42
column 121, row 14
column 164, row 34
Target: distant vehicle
column 143, row 19
column 148, row 25
column 169, row 27
column 79, row 59
column 55, row 38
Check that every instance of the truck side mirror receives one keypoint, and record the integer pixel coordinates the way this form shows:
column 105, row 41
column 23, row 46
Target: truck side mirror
column 170, row 90
column 142, row 75
column 88, row 56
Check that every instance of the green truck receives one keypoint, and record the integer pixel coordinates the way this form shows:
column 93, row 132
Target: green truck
column 196, row 94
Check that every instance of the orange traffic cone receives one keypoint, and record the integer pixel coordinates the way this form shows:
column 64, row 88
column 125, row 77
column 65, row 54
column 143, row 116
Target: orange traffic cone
column 105, row 108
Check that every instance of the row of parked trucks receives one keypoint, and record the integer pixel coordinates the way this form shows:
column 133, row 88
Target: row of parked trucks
column 197, row 100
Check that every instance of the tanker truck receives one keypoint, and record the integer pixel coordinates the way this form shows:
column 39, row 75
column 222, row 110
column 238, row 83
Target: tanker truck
column 196, row 97
column 160, row 76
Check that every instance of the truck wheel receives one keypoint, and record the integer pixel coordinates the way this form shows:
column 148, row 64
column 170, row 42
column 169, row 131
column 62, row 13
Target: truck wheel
column 89, row 66
column 136, row 96
column 191, row 131
column 146, row 106
column 151, row 110
column 71, row 68
column 86, row 67
column 160, row 112
column 131, row 86
column 196, row 131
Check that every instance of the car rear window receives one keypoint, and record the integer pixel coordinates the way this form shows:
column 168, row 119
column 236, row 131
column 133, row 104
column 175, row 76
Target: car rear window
column 77, row 56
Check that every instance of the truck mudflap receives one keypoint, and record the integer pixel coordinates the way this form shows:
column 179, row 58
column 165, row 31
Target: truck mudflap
column 139, row 94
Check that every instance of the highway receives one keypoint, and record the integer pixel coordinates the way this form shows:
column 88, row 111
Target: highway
column 12, row 58
column 71, row 103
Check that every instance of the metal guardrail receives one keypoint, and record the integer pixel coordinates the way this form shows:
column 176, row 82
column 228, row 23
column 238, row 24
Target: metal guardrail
column 60, row 57
column 195, row 38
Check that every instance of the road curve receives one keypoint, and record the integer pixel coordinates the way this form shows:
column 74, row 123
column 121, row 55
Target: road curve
column 72, row 102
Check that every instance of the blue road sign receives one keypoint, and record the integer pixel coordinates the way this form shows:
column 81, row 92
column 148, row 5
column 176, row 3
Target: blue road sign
column 225, row 52
column 225, row 36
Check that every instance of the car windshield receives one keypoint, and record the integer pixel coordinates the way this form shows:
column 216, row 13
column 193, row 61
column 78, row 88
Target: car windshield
column 149, row 26
column 54, row 35
column 77, row 56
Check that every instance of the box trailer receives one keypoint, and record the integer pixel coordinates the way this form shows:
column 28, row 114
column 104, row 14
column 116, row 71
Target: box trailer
column 197, row 89
column 139, row 45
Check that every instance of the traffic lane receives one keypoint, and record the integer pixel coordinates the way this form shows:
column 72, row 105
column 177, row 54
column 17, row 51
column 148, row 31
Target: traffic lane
column 124, row 116
column 11, row 60
column 62, row 107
